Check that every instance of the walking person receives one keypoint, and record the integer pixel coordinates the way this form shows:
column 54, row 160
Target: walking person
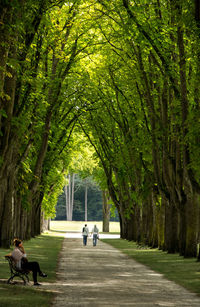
column 95, row 232
column 22, row 262
column 85, row 233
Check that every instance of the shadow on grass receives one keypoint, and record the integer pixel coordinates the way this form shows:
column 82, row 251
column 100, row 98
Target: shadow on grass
column 44, row 249
column 20, row 295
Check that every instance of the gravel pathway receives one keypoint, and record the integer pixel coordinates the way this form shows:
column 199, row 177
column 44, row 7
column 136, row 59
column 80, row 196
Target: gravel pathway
column 103, row 276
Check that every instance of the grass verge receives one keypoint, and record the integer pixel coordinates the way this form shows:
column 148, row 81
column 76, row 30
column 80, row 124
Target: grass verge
column 185, row 272
column 44, row 249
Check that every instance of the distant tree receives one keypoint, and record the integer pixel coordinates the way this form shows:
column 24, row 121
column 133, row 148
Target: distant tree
column 69, row 196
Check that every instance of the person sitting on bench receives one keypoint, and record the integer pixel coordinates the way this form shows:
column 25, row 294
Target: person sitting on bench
column 22, row 262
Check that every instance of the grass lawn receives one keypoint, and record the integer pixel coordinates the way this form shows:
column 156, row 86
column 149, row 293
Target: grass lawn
column 77, row 226
column 185, row 272
column 45, row 250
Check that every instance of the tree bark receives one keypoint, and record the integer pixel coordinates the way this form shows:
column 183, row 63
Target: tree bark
column 86, row 199
column 171, row 228
column 192, row 214
column 106, row 211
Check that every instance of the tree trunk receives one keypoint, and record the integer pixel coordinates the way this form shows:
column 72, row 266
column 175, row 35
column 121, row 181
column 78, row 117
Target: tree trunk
column 171, row 228
column 150, row 218
column 7, row 217
column 192, row 212
column 86, row 198
column 106, row 212
column 145, row 219
column 66, row 202
column 130, row 227
column 123, row 231
column 182, row 229
column 8, row 151
column 72, row 197
column 161, row 226
column 69, row 197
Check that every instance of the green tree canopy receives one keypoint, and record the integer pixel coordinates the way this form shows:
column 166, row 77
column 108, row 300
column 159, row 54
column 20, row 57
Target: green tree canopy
column 126, row 74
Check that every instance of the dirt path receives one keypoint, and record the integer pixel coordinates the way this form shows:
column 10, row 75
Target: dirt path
column 103, row 276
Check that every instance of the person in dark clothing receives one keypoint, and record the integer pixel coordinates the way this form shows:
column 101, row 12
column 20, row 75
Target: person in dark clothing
column 22, row 262
column 85, row 233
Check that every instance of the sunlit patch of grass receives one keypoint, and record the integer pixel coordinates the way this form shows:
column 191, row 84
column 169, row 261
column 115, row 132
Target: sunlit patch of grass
column 184, row 271
column 55, row 233
column 44, row 249
column 77, row 226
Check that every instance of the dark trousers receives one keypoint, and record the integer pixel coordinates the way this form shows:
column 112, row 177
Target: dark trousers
column 84, row 240
column 34, row 267
column 94, row 239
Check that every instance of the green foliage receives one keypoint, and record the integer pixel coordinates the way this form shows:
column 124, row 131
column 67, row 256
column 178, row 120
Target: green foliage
column 104, row 89
column 83, row 160
column 54, row 184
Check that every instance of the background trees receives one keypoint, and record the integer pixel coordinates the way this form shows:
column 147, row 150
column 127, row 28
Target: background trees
column 94, row 205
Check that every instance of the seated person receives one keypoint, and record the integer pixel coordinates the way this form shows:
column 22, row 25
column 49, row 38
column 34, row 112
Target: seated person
column 22, row 262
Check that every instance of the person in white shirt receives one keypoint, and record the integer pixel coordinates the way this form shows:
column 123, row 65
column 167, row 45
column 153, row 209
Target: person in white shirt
column 95, row 232
column 85, row 233
column 22, row 263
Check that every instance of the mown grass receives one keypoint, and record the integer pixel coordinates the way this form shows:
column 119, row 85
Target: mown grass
column 77, row 226
column 185, row 272
column 44, row 249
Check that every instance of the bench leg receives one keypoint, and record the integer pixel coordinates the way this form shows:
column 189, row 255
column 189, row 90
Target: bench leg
column 27, row 278
column 23, row 277
column 10, row 279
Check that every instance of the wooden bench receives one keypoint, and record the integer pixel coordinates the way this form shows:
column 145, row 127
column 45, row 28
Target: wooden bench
column 15, row 272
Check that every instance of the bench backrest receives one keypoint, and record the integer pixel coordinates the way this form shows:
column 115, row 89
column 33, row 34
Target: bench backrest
column 12, row 263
